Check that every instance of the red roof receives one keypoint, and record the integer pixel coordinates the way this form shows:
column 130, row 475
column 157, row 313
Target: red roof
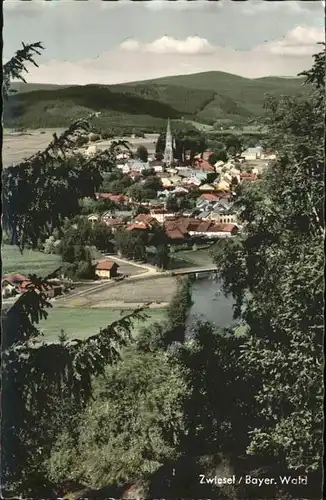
column 174, row 230
column 144, row 218
column 113, row 222
column 207, row 154
column 209, row 197
column 174, row 234
column 223, row 228
column 119, row 198
column 203, row 226
column 248, row 176
column 204, row 165
column 181, row 224
column 137, row 225
column 106, row 265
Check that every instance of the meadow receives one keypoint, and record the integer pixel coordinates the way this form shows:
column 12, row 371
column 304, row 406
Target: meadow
column 82, row 322
column 28, row 262
column 191, row 258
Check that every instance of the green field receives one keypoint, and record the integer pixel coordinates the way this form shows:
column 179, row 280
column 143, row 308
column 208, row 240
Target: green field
column 29, row 262
column 81, row 323
column 203, row 98
column 191, row 258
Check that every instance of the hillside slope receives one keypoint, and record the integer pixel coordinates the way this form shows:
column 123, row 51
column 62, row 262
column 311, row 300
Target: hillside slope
column 204, row 97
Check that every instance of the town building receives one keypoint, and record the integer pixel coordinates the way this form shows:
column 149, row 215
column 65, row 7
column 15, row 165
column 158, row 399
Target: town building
column 107, row 269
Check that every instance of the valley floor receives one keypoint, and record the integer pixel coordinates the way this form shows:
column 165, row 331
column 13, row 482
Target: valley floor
column 17, row 146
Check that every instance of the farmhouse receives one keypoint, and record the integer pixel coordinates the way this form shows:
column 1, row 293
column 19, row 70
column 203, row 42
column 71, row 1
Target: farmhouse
column 106, row 269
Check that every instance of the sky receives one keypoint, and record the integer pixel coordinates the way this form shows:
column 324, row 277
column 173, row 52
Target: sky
column 109, row 42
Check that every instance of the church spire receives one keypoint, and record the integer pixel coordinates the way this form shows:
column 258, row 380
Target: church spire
column 168, row 151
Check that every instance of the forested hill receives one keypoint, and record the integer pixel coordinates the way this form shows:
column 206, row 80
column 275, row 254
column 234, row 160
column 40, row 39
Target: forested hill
column 205, row 97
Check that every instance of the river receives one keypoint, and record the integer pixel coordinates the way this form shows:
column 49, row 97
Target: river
column 210, row 303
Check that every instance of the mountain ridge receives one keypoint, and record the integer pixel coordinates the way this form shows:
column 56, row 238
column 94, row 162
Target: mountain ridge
column 211, row 98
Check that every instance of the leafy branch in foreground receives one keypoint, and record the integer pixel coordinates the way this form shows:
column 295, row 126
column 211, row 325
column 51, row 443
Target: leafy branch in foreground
column 14, row 68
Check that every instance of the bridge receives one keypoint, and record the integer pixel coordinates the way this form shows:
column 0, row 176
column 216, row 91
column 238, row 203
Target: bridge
column 194, row 270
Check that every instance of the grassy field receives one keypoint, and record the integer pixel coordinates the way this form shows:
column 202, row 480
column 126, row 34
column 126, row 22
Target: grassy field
column 190, row 258
column 203, row 98
column 29, row 262
column 82, row 322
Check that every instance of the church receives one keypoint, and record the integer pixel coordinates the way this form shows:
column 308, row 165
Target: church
column 168, row 151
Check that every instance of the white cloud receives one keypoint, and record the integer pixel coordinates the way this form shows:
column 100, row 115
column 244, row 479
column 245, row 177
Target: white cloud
column 168, row 45
column 134, row 60
column 298, row 42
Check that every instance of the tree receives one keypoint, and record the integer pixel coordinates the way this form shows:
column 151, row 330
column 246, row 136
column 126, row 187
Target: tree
column 178, row 309
column 217, row 419
column 221, row 155
column 153, row 183
column 15, row 67
column 131, row 428
column 148, row 172
column 132, row 244
column 102, row 237
column 142, row 210
column 142, row 153
column 44, row 385
column 137, row 193
column 171, row 204
column 233, row 144
column 275, row 272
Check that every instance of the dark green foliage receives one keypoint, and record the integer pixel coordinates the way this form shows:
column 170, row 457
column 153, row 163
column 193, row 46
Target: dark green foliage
column 142, row 210
column 88, row 98
column 131, row 429
column 116, row 183
column 171, row 204
column 75, row 248
column 37, row 380
column 147, row 190
column 142, row 153
column 178, row 309
column 220, row 409
column 131, row 244
column 137, row 245
column 44, row 383
column 275, row 273
column 15, row 67
column 221, row 155
column 206, row 97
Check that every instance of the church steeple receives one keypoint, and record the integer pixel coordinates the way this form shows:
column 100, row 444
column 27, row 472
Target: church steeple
column 168, row 151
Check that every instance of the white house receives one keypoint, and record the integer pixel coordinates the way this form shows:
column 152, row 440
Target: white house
column 219, row 164
column 91, row 150
column 93, row 218
column 252, row 153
